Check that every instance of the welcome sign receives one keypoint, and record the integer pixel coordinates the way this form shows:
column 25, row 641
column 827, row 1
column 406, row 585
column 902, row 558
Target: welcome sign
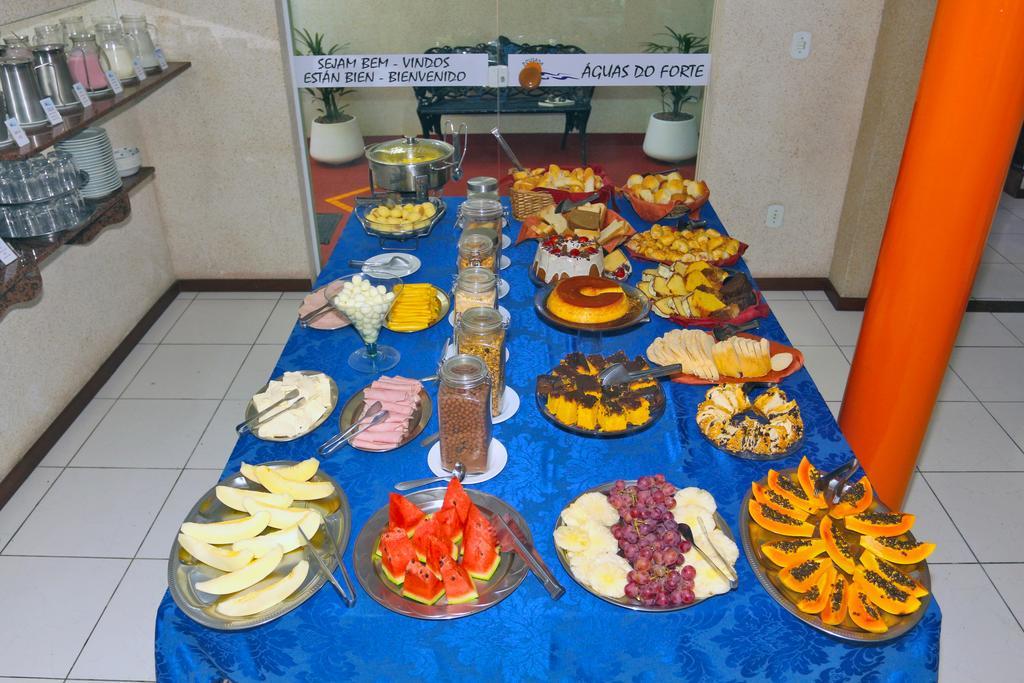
column 389, row 71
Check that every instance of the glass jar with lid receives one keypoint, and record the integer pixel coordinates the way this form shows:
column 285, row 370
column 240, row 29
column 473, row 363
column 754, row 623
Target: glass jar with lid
column 482, row 187
column 49, row 34
column 119, row 49
column 463, row 413
column 475, row 286
column 17, row 46
column 480, row 332
column 476, row 249
column 87, row 64
column 484, row 216
column 142, row 32
column 69, row 26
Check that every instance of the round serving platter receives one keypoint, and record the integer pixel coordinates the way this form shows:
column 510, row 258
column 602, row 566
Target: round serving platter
column 752, row 536
column 625, row 601
column 639, row 308
column 509, row 574
column 183, row 571
column 250, row 409
column 656, row 412
column 354, row 406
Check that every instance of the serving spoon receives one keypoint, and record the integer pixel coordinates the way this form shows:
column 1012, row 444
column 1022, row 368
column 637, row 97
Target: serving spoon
column 459, row 472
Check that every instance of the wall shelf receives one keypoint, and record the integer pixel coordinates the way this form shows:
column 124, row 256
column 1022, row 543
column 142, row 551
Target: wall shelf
column 20, row 282
column 100, row 109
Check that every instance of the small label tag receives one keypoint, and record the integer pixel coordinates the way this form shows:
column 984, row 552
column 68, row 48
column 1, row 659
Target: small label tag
column 115, row 82
column 16, row 132
column 140, row 73
column 160, row 58
column 50, row 109
column 7, row 255
column 82, row 95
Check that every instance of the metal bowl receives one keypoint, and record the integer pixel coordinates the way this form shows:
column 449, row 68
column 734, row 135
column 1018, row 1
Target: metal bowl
column 411, row 164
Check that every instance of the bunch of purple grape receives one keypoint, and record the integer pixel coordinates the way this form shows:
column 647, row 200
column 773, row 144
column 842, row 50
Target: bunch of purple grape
column 650, row 542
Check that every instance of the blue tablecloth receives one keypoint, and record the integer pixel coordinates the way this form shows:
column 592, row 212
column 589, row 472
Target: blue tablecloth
column 739, row 636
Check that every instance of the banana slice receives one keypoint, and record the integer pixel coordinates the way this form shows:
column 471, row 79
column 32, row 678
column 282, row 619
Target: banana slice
column 219, row 533
column 608, row 576
column 298, row 490
column 218, row 558
column 240, row 579
column 265, row 597
column 692, row 495
column 289, row 539
column 235, row 498
column 280, row 518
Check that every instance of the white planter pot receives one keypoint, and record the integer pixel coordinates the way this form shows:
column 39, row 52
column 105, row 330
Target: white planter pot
column 336, row 143
column 671, row 140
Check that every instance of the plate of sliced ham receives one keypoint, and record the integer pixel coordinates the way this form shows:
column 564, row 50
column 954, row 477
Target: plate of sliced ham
column 409, row 409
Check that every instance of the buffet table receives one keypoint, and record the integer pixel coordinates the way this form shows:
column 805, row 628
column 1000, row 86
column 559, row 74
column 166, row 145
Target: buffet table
column 742, row 635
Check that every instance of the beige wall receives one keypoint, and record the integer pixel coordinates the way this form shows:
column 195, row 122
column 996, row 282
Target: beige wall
column 399, row 26
column 890, row 99
column 782, row 131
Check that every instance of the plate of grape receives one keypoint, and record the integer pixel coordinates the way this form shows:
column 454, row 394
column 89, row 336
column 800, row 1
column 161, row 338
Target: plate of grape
column 621, row 542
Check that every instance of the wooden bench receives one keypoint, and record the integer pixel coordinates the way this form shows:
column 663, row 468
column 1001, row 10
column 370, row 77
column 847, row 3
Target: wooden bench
column 435, row 102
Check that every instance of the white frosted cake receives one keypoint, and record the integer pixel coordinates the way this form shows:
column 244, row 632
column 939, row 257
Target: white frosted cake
column 558, row 258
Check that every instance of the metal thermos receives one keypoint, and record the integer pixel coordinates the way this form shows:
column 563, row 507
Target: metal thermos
column 21, row 97
column 54, row 78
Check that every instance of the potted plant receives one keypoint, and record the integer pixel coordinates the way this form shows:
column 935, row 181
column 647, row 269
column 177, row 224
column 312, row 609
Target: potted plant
column 672, row 133
column 334, row 136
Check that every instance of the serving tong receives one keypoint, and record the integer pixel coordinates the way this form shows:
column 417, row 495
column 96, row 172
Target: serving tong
column 265, row 416
column 834, row 485
column 375, row 414
column 511, row 536
column 349, row 596
column 687, row 533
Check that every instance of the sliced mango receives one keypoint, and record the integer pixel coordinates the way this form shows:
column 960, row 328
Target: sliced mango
column 218, row 558
column 298, row 490
column 289, row 539
column 265, row 597
column 280, row 518
column 219, row 533
column 235, row 498
column 240, row 579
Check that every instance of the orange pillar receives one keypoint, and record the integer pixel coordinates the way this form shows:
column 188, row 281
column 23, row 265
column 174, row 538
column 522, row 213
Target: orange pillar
column 970, row 104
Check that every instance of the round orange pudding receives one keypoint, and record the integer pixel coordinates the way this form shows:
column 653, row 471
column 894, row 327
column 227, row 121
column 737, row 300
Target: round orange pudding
column 588, row 299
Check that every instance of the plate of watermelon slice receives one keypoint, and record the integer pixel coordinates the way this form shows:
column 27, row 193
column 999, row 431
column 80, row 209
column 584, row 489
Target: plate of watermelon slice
column 434, row 554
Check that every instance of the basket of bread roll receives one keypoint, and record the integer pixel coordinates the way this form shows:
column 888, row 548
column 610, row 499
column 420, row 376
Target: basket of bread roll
column 594, row 221
column 533, row 189
column 741, row 358
column 665, row 196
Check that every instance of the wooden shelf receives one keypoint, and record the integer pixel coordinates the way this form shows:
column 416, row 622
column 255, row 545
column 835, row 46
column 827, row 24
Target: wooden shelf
column 100, row 109
column 21, row 282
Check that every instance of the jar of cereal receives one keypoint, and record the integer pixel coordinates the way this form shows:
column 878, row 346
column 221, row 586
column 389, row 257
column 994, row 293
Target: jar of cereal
column 476, row 249
column 474, row 287
column 480, row 332
column 463, row 411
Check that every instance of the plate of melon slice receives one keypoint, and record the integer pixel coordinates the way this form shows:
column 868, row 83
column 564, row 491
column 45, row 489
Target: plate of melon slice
column 239, row 558
column 854, row 571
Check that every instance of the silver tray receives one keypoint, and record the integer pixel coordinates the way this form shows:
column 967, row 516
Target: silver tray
column 446, row 305
column 250, row 408
column 354, row 406
column 631, row 429
column 627, row 602
column 510, row 573
column 898, row 624
column 183, row 571
column 639, row 308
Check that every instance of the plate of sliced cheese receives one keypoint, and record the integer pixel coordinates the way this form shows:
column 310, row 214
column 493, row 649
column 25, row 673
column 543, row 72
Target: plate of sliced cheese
column 742, row 358
column 318, row 394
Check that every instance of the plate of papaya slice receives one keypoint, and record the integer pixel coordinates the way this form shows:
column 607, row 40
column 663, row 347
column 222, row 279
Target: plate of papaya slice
column 855, row 572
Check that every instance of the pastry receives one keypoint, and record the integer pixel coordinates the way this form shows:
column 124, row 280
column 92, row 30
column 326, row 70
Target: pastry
column 769, row 425
column 667, row 244
column 697, row 290
column 573, row 394
column 587, row 299
column 558, row 258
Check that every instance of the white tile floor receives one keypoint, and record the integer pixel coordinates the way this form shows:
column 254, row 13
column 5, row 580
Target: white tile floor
column 93, row 523
column 1001, row 275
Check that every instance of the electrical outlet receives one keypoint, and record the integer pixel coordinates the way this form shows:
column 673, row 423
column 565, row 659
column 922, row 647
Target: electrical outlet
column 773, row 218
column 800, row 48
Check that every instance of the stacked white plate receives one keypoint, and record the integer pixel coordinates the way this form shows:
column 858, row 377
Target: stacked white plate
column 93, row 153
